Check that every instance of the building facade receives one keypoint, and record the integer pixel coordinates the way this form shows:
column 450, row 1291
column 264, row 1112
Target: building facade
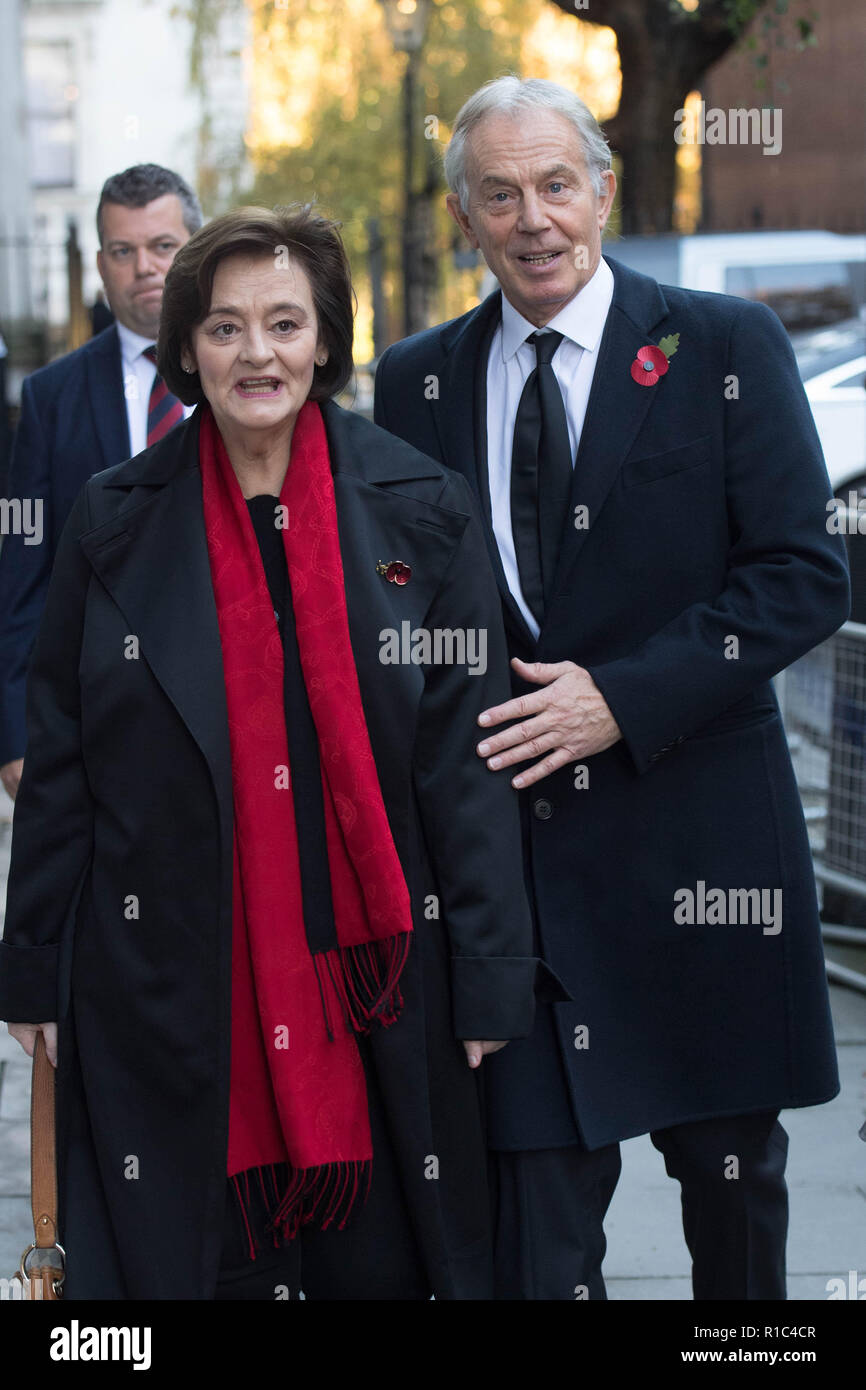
column 91, row 87
column 818, row 179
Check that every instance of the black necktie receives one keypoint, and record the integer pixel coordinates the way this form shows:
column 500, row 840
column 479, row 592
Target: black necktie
column 541, row 476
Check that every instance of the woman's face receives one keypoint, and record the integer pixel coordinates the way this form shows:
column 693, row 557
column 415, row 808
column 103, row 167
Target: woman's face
column 256, row 350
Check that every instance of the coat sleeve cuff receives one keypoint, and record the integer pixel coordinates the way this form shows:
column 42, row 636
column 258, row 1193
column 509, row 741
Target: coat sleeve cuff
column 28, row 983
column 494, row 997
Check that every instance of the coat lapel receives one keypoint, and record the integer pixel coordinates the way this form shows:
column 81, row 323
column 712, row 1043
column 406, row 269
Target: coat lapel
column 383, row 516
column 616, row 408
column 106, row 396
column 153, row 560
column 461, row 422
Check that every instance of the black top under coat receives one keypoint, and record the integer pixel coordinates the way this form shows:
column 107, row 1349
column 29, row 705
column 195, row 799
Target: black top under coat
column 305, row 772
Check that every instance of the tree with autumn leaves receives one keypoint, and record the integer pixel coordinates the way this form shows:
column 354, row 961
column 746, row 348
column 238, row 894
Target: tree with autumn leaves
column 327, row 94
column 665, row 49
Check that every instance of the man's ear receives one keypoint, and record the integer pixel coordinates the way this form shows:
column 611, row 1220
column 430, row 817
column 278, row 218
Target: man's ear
column 605, row 203
column 452, row 202
column 100, row 261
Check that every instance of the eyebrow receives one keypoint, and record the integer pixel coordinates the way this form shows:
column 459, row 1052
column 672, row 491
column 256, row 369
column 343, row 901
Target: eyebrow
column 273, row 309
column 548, row 174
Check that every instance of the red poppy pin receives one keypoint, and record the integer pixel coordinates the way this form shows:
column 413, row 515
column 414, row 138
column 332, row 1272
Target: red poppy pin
column 652, row 362
column 395, row 571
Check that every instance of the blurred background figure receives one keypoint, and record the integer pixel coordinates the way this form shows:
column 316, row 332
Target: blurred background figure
column 101, row 316
column 5, row 427
column 91, row 409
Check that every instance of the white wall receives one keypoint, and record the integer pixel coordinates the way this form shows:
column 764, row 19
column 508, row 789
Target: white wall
column 130, row 63
column 15, row 215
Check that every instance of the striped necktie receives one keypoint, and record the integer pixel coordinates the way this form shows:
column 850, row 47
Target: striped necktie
column 164, row 410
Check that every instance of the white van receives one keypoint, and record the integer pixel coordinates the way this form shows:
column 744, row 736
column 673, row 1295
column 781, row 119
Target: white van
column 816, row 283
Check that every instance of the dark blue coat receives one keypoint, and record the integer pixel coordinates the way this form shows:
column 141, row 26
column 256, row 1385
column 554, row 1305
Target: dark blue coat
column 706, row 505
column 73, row 423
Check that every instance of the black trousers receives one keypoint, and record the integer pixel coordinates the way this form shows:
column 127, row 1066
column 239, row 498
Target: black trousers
column 375, row 1257
column 550, row 1204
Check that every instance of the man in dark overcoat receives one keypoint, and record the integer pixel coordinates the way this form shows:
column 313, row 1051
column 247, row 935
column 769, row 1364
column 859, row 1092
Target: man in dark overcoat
column 88, row 410
column 655, row 505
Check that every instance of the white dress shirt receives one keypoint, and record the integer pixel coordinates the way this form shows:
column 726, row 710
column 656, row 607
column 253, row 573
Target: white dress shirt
column 511, row 360
column 138, row 375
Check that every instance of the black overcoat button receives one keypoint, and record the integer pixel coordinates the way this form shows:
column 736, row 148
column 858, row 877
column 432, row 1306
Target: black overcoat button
column 542, row 809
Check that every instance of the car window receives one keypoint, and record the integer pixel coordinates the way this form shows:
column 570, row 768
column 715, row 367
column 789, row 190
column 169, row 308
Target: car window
column 803, row 295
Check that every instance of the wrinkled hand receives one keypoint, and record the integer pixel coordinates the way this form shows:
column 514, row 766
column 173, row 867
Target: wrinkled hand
column 566, row 721
column 476, row 1050
column 10, row 776
column 25, row 1034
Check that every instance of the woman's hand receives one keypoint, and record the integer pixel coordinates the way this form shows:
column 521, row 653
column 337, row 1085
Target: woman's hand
column 476, row 1050
column 25, row 1034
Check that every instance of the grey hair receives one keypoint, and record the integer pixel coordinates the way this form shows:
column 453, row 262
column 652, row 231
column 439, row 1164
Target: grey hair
column 509, row 96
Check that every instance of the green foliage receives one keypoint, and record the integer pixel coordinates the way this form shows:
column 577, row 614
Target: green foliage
column 779, row 28
column 204, row 18
column 354, row 167
column 740, row 13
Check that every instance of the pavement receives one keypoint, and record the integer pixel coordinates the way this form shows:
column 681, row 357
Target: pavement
column 647, row 1259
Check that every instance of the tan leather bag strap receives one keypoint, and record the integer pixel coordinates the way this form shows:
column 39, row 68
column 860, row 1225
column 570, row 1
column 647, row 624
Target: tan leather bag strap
column 43, row 1165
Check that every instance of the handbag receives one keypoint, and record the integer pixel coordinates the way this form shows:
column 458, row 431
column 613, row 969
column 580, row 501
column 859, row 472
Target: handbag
column 43, row 1281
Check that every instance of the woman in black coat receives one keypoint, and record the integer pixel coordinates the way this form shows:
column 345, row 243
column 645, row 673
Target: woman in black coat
column 260, row 879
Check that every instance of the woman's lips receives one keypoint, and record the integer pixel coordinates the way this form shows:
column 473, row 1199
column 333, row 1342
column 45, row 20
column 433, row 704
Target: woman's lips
column 258, row 386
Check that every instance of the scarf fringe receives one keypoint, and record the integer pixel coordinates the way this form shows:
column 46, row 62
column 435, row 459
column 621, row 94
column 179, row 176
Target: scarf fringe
column 366, row 981
column 325, row 1194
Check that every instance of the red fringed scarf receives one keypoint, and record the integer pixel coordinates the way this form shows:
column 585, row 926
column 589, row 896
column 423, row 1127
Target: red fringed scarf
column 298, row 1093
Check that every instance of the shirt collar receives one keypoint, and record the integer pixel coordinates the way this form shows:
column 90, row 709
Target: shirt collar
column 582, row 319
column 132, row 345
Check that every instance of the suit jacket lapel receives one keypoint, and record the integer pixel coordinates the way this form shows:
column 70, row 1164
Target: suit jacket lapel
column 616, row 408
column 615, row 412
column 461, row 422
column 107, row 399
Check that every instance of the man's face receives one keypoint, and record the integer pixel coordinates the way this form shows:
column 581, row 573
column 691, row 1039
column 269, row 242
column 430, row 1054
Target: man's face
column 138, row 246
column 533, row 210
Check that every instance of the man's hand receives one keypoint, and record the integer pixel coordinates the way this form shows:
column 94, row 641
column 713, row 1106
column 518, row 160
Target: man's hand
column 476, row 1050
column 10, row 775
column 25, row 1034
column 566, row 721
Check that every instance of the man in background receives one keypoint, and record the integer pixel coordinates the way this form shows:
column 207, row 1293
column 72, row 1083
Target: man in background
column 93, row 408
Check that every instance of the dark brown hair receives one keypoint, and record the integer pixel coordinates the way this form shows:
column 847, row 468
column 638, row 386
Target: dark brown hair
column 311, row 239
